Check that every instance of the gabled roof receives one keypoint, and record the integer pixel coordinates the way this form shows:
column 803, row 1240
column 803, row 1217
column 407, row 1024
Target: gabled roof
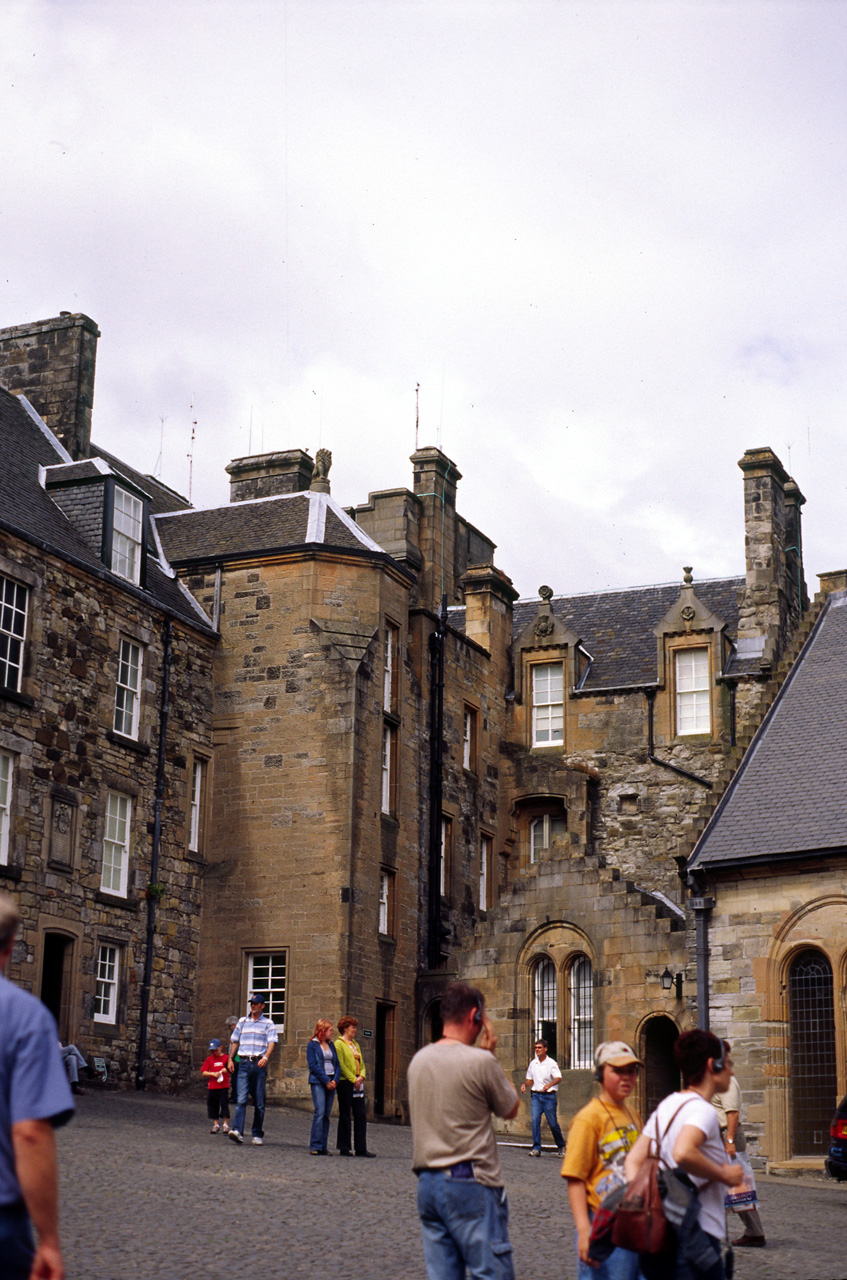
column 261, row 526
column 787, row 797
column 616, row 627
column 28, row 510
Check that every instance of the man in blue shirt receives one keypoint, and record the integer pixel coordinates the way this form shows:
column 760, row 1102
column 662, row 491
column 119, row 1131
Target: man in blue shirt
column 253, row 1039
column 34, row 1099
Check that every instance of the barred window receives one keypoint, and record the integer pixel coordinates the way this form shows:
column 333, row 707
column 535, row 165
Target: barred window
column 13, row 613
column 581, row 985
column 266, row 973
column 545, row 1004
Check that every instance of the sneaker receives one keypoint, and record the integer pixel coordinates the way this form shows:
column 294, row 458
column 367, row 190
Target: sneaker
column 235, row 1135
column 226, row 1127
column 216, row 1128
column 257, row 1142
column 533, row 1152
column 561, row 1153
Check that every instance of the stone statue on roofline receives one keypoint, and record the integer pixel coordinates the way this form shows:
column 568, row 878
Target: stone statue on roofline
column 320, row 471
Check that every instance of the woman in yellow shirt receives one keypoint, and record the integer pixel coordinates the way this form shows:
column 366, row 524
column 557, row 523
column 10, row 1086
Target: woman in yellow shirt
column 351, row 1092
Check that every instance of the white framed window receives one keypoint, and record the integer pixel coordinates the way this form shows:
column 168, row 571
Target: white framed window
column 106, row 984
column 693, row 711
column 547, row 703
column 6, row 771
column 267, row 973
column 386, row 902
column 542, row 831
column 581, row 984
column 13, row 613
column 116, row 844
column 444, row 856
column 128, row 689
column 195, row 806
column 389, row 685
column 387, row 768
column 128, row 515
column 486, row 845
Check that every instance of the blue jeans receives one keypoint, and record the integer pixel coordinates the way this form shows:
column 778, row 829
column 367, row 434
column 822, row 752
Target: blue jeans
column 544, row 1104
column 464, row 1225
column 322, row 1099
column 251, row 1079
column 17, row 1248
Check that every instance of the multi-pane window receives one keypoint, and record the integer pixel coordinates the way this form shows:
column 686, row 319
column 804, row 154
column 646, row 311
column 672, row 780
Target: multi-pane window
column 542, row 831
column 390, row 671
column 485, row 847
column 195, row 813
column 444, row 856
column 5, row 804
column 126, row 536
column 116, row 844
column 547, row 703
column 581, row 983
column 266, row 973
column 13, row 605
column 469, row 739
column 128, row 689
column 106, row 985
column 387, row 768
column 692, row 692
column 386, row 902
column 545, row 1001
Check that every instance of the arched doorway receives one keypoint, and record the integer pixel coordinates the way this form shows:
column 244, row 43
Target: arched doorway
column 661, row 1074
column 814, row 1081
column 56, row 980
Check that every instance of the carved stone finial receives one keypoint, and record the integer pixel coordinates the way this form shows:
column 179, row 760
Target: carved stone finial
column 320, row 471
column 546, row 593
column 686, row 569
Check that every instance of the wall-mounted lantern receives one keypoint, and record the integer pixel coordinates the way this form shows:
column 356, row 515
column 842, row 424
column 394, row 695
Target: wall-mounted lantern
column 670, row 980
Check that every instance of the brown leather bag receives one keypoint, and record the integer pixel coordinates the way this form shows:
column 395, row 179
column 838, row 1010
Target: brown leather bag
column 640, row 1223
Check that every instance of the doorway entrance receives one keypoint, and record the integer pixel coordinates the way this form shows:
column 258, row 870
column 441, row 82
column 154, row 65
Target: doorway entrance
column 384, row 1060
column 56, row 973
column 814, row 1079
column 661, row 1074
column 434, row 1026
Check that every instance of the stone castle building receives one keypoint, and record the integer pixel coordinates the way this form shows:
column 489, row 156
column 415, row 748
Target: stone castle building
column 363, row 763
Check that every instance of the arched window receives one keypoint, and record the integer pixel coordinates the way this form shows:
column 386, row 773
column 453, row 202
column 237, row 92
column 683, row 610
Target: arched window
column 814, row 1079
column 544, row 1000
column 581, row 1013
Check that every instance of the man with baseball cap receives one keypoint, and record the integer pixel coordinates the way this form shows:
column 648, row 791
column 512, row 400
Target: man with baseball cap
column 599, row 1137
column 253, row 1039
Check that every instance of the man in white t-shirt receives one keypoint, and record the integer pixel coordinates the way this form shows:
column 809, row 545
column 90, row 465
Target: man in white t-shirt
column 544, row 1077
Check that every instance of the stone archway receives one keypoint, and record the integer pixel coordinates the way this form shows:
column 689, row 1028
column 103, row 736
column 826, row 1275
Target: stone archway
column 661, row 1074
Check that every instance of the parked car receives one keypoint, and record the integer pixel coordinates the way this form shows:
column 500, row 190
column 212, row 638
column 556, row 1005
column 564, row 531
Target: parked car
column 836, row 1164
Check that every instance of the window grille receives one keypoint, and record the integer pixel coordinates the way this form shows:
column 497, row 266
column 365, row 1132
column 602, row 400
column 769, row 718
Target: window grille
column 582, row 1013
column 814, row 1082
column 545, row 1002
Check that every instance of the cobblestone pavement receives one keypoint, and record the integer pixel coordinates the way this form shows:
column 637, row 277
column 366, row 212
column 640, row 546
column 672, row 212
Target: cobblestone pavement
column 149, row 1194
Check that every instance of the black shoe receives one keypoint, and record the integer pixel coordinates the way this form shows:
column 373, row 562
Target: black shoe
column 77, row 1089
column 368, row 1155
column 749, row 1242
column 345, row 1153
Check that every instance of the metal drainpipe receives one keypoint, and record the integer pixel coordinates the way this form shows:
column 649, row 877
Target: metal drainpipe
column 140, row 1081
column 702, row 906
column 436, row 759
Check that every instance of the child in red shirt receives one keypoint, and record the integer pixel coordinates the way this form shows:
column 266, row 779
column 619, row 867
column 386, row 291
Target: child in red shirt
column 217, row 1097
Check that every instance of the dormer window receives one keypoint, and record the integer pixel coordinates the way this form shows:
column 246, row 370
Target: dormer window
column 128, row 515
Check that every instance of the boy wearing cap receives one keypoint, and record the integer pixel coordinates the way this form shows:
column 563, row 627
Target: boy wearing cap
column 599, row 1137
column 214, row 1069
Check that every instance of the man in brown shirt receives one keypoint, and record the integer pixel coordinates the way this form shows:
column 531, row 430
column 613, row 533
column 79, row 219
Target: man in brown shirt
column 453, row 1089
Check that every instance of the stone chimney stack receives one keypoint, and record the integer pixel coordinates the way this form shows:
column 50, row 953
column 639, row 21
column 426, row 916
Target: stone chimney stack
column 266, row 475
column 774, row 595
column 435, row 480
column 489, row 596
column 51, row 362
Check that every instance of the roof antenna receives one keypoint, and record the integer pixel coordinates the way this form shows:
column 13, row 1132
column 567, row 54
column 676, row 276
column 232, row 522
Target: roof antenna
column 157, row 468
column 417, row 412
column 191, row 452
column 250, row 435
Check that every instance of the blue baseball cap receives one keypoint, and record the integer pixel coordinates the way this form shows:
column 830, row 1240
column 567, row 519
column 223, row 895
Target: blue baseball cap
column 213, row 1045
column 257, row 998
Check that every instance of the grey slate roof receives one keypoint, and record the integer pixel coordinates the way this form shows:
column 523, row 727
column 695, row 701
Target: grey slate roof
column 261, row 526
column 27, row 509
column 616, row 627
column 787, row 798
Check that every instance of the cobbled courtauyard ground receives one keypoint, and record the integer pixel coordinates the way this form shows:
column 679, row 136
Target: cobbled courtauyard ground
column 149, row 1194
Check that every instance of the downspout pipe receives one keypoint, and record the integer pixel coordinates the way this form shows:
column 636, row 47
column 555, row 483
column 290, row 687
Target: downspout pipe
column 436, row 762
column 701, row 906
column 650, row 695
column 152, row 891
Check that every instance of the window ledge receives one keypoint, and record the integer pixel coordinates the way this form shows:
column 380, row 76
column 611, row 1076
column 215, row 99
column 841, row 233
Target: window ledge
column 389, row 818
column 388, row 939
column 22, row 699
column 692, row 740
column 114, row 900
column 547, row 746
column 10, row 872
column 131, row 743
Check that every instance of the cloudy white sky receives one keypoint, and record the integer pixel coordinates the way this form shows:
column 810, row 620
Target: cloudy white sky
column 607, row 239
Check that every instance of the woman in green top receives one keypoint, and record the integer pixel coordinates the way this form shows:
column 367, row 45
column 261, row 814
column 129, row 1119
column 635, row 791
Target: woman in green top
column 351, row 1092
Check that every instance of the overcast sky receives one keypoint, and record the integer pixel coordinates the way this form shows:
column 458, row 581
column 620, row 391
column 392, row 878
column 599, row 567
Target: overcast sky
column 607, row 239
